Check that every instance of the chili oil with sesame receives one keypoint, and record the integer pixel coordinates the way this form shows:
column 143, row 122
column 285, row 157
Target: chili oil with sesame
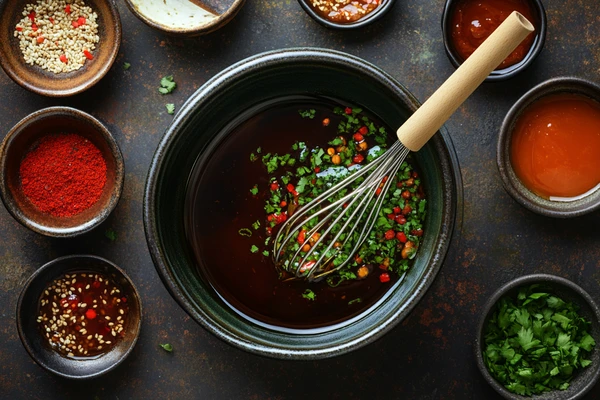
column 82, row 315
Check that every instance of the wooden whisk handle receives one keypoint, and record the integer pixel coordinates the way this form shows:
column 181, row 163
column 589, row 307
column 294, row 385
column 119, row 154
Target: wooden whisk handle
column 429, row 118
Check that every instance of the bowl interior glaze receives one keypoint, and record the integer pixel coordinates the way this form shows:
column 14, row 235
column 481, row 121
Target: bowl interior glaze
column 585, row 379
column 48, row 83
column 254, row 81
column 18, row 142
column 512, row 184
column 34, row 342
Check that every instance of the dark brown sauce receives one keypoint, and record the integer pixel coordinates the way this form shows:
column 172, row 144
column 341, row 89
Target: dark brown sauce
column 219, row 204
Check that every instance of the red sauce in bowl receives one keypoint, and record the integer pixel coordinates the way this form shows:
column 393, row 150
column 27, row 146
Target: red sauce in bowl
column 474, row 20
column 555, row 146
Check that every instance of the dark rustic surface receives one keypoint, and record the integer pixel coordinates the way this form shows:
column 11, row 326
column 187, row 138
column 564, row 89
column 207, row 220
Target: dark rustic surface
column 429, row 355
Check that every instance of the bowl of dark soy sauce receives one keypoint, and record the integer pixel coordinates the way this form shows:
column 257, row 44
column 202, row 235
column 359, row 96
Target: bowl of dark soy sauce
column 199, row 204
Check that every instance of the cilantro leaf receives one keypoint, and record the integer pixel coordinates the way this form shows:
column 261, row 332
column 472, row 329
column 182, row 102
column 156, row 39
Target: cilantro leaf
column 167, row 347
column 170, row 108
column 254, row 249
column 167, row 85
column 309, row 295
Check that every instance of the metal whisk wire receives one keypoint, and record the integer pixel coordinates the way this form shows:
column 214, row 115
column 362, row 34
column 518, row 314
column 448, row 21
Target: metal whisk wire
column 347, row 210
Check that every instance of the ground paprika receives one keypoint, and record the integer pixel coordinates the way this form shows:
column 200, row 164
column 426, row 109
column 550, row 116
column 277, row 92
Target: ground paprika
column 63, row 174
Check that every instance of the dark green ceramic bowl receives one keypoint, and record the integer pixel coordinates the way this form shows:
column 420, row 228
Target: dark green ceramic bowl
column 244, row 85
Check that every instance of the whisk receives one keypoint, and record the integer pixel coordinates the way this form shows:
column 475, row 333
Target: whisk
column 351, row 217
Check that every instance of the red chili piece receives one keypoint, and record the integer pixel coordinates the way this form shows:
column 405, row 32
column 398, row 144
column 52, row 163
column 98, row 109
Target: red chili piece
column 81, row 21
column 389, row 235
column 34, row 27
column 64, row 58
column 302, row 236
column 63, row 175
column 274, row 186
column 68, row 9
column 357, row 159
column 317, row 169
column 385, row 277
column 407, row 209
column 75, row 24
column 401, row 237
column 32, row 16
column 358, row 137
column 292, row 189
column 19, row 29
column 40, row 39
column 283, row 204
column 88, row 55
column 363, row 130
column 348, row 110
column 90, row 314
column 401, row 219
column 397, row 210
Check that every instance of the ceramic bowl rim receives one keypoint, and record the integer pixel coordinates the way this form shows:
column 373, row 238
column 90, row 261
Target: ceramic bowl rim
column 219, row 22
column 488, row 307
column 6, row 194
column 23, row 336
column 374, row 16
column 511, row 183
column 160, row 258
column 496, row 76
column 116, row 27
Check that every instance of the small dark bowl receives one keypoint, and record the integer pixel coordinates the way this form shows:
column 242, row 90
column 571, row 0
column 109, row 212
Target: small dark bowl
column 540, row 23
column 34, row 342
column 153, row 14
column 237, row 91
column 369, row 19
column 512, row 184
column 20, row 139
column 584, row 379
column 48, row 83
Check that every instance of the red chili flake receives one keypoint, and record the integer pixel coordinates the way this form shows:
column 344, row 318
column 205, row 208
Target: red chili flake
column 269, row 230
column 406, row 195
column 348, row 110
column 40, row 39
column 90, row 314
column 391, row 216
column 88, row 55
column 358, row 158
column 385, row 277
column 378, row 192
column 363, row 130
column 415, row 175
column 326, row 122
column 397, row 210
column 96, row 284
column 401, row 237
column 64, row 59
column 124, row 299
column 389, row 235
column 302, row 236
column 19, row 29
column 358, row 137
column 417, row 232
column 407, row 209
column 274, row 186
column 271, row 217
column 68, row 9
column 75, row 24
column 280, row 218
column 345, row 205
column 383, row 267
column 81, row 21
column 32, row 16
column 51, row 20
column 400, row 219
column 317, row 169
column 307, row 266
column 292, row 189
column 283, row 204
column 384, row 180
column 34, row 27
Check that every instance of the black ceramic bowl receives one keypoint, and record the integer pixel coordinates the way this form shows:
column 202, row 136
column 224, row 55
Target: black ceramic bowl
column 19, row 140
column 231, row 93
column 369, row 19
column 506, row 73
column 33, row 340
column 558, row 209
column 584, row 379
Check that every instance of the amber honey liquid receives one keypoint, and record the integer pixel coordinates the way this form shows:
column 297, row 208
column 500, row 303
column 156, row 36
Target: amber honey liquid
column 219, row 204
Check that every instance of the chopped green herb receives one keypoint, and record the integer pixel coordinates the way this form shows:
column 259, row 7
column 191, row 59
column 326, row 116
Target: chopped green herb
column 254, row 249
column 254, row 190
column 110, row 234
column 167, row 85
column 266, row 253
column 245, row 232
column 126, row 66
column 170, row 108
column 256, row 224
column 167, row 347
column 309, row 295
column 253, row 157
column 535, row 341
column 307, row 113
column 359, row 300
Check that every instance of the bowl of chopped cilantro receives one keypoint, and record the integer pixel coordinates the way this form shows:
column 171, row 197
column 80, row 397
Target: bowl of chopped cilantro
column 538, row 338
column 255, row 144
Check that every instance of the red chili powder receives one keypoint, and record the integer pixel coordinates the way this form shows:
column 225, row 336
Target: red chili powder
column 63, row 175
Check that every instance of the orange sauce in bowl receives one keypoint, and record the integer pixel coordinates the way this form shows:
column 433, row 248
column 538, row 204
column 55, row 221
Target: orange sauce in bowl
column 555, row 146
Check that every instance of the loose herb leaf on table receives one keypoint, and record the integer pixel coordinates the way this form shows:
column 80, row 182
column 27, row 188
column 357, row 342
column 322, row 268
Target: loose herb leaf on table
column 167, row 85
column 534, row 343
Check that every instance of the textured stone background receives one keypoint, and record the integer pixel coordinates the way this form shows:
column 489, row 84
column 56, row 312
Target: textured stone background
column 429, row 355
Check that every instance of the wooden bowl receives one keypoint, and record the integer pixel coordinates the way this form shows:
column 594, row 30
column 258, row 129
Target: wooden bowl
column 34, row 342
column 20, row 139
column 48, row 83
column 183, row 17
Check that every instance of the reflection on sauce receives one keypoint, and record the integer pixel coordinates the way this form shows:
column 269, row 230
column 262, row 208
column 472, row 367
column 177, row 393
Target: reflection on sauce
column 474, row 20
column 344, row 11
column 555, row 148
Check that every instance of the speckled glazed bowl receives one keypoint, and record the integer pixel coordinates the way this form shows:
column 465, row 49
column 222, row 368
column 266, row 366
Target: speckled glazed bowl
column 48, row 83
column 558, row 209
column 185, row 17
column 540, row 24
column 34, row 341
column 25, row 134
column 369, row 19
column 239, row 88
column 585, row 379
